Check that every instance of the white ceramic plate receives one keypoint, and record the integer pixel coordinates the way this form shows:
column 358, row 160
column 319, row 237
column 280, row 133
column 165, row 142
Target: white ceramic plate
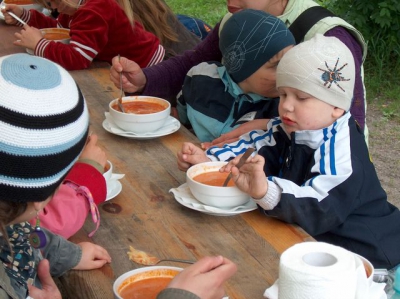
column 172, row 127
column 186, row 199
column 115, row 189
column 1, row 16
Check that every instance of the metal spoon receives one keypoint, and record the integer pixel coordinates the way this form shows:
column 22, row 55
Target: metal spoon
column 242, row 160
column 173, row 260
column 13, row 15
column 121, row 107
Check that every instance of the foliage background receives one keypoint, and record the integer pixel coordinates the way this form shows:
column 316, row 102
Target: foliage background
column 377, row 20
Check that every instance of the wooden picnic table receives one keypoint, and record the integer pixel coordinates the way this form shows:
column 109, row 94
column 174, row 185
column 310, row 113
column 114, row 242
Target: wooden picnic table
column 146, row 216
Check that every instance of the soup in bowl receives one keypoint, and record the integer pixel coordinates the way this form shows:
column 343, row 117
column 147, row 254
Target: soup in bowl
column 56, row 34
column 143, row 114
column 205, row 183
column 144, row 283
column 26, row 4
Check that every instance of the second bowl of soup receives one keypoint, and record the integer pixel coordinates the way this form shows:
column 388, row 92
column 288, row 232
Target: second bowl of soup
column 205, row 183
column 144, row 283
column 143, row 114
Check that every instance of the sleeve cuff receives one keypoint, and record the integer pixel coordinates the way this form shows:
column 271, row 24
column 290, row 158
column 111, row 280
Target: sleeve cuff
column 172, row 293
column 93, row 163
column 271, row 198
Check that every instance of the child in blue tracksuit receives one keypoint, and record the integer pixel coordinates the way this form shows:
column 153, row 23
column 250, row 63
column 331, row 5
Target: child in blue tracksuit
column 216, row 98
column 312, row 165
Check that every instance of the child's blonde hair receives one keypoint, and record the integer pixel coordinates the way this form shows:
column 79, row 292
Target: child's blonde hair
column 154, row 15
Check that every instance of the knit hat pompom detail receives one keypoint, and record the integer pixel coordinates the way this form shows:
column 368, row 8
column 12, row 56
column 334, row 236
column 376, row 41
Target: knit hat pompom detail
column 249, row 39
column 43, row 127
column 322, row 67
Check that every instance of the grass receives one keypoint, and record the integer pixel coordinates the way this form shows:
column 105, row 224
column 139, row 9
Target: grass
column 210, row 11
column 381, row 76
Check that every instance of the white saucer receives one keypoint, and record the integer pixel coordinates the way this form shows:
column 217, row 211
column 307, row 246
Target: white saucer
column 115, row 189
column 183, row 196
column 1, row 16
column 172, row 125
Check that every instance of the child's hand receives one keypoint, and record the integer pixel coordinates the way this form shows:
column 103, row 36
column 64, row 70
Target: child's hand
column 93, row 257
column 28, row 37
column 49, row 288
column 250, row 178
column 15, row 9
column 93, row 152
column 190, row 155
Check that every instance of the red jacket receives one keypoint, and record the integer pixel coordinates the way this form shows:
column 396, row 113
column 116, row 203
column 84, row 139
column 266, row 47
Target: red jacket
column 98, row 29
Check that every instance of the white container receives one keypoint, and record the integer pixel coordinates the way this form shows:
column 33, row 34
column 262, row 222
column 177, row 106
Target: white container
column 140, row 123
column 143, row 273
column 220, row 197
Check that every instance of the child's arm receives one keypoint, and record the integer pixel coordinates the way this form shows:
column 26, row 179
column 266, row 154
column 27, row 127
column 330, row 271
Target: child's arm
column 89, row 36
column 64, row 255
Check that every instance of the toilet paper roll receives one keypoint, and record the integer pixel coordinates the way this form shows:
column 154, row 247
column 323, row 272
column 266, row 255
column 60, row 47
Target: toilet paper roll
column 317, row 270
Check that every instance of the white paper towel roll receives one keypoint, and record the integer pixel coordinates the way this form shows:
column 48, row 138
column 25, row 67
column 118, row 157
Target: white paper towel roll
column 317, row 270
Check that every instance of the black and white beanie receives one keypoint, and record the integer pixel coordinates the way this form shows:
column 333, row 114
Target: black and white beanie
column 43, row 127
column 322, row 67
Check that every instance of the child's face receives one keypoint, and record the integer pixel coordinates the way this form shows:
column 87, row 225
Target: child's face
column 265, row 5
column 300, row 111
column 263, row 81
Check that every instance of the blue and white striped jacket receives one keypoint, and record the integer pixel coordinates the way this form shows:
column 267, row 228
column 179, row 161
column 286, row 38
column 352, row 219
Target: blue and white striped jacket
column 329, row 186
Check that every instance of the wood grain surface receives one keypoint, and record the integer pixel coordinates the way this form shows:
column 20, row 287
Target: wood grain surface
column 146, row 216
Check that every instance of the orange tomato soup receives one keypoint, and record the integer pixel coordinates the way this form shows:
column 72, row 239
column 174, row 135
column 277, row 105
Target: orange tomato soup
column 141, row 107
column 19, row 2
column 147, row 288
column 55, row 36
column 213, row 178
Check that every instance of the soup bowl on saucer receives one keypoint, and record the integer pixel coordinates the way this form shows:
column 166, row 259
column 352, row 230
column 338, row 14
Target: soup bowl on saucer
column 144, row 283
column 205, row 183
column 143, row 114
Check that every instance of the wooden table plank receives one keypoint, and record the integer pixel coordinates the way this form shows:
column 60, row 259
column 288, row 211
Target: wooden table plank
column 150, row 219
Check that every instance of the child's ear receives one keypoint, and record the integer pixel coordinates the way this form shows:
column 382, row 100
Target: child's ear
column 39, row 205
column 337, row 112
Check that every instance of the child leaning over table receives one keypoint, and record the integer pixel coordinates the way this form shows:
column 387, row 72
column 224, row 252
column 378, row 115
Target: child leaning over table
column 216, row 98
column 312, row 166
column 99, row 29
column 44, row 127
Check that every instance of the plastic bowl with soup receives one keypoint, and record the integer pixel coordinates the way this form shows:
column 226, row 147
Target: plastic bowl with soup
column 144, row 283
column 205, row 183
column 143, row 114
column 56, row 34
column 26, row 4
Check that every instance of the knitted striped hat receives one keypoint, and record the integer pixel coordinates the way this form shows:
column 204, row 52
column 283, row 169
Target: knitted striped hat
column 43, row 127
column 250, row 38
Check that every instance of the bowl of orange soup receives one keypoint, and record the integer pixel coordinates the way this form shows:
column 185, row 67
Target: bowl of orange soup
column 144, row 283
column 56, row 34
column 26, row 4
column 143, row 114
column 205, row 183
